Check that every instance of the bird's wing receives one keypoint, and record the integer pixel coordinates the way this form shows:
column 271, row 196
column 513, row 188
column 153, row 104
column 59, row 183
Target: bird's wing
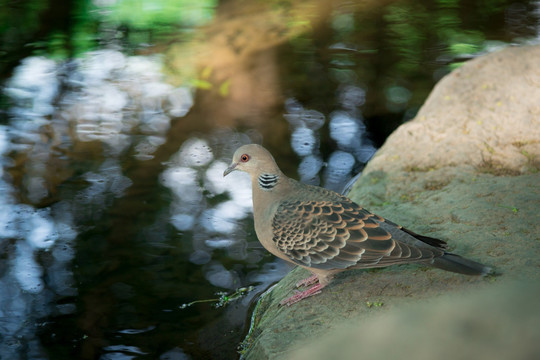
column 340, row 234
column 402, row 234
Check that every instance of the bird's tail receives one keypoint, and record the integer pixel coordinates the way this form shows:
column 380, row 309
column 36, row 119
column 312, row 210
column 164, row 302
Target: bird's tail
column 458, row 264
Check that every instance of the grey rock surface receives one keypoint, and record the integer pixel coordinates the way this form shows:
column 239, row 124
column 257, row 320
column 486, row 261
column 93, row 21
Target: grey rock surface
column 485, row 114
column 464, row 170
column 499, row 323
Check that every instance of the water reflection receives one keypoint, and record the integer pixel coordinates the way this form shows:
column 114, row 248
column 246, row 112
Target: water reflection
column 192, row 171
column 108, row 98
column 104, row 103
column 29, row 287
column 346, row 129
column 114, row 211
column 104, row 185
column 109, row 105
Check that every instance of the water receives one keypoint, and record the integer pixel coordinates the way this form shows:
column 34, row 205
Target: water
column 117, row 124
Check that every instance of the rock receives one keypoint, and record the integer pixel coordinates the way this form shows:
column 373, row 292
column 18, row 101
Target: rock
column 484, row 114
column 499, row 323
column 464, row 170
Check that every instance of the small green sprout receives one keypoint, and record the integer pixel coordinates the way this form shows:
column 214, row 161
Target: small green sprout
column 223, row 299
column 377, row 303
column 514, row 209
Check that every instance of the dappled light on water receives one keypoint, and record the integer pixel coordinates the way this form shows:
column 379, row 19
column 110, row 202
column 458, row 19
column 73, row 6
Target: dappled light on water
column 346, row 128
column 117, row 228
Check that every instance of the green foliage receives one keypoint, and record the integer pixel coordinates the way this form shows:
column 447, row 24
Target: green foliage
column 377, row 303
column 413, row 28
column 223, row 299
column 143, row 14
column 406, row 31
column 512, row 208
column 19, row 21
column 133, row 22
column 84, row 31
column 20, row 17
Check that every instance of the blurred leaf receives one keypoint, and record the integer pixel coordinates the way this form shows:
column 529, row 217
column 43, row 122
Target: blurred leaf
column 207, row 71
column 202, row 84
column 224, row 88
column 462, row 48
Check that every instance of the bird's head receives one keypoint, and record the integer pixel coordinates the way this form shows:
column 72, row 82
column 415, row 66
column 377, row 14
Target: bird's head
column 253, row 159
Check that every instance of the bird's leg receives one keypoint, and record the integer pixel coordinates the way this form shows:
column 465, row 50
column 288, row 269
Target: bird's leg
column 308, row 281
column 314, row 290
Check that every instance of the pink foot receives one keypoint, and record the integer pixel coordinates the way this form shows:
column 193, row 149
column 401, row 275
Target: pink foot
column 314, row 290
column 308, row 281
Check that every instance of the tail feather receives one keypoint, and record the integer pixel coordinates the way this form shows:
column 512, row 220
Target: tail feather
column 458, row 264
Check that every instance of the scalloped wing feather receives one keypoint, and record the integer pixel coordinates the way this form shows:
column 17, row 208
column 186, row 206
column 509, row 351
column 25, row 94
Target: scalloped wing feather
column 330, row 235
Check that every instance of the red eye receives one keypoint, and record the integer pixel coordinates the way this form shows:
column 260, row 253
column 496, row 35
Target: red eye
column 244, row 158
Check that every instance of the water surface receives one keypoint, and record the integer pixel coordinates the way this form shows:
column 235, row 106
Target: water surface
column 119, row 117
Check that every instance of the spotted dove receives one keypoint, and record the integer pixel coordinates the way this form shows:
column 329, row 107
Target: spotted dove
column 327, row 233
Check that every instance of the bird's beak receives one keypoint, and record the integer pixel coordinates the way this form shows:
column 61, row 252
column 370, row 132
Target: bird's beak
column 230, row 169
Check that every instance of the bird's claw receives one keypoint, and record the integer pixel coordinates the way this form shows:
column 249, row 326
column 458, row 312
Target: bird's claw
column 299, row 295
column 308, row 281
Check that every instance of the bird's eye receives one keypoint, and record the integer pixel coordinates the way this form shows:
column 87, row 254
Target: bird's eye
column 244, row 158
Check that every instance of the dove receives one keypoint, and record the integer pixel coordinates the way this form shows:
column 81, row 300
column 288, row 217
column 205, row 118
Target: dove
column 326, row 232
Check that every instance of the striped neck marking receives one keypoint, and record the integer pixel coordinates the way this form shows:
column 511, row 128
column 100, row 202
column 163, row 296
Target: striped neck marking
column 268, row 181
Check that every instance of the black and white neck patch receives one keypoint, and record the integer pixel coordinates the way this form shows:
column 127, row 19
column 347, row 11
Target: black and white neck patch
column 268, row 181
